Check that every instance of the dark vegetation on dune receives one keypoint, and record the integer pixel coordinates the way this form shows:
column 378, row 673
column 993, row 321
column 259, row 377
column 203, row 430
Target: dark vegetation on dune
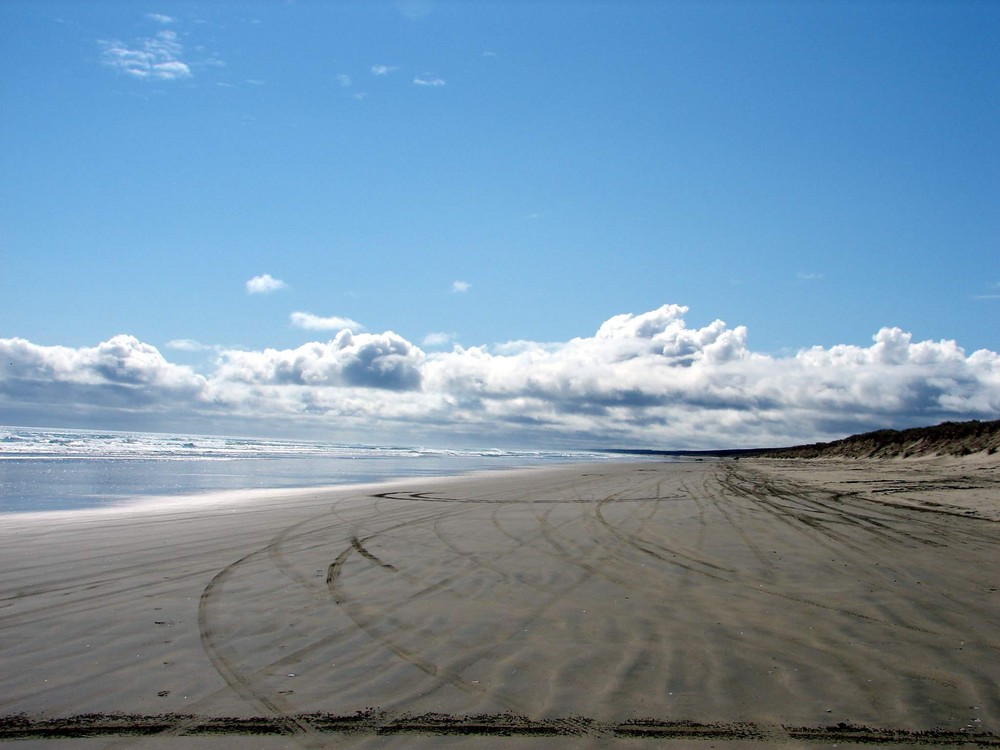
column 945, row 439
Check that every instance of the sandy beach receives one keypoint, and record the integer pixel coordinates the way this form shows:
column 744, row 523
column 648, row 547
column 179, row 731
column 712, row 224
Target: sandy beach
column 699, row 603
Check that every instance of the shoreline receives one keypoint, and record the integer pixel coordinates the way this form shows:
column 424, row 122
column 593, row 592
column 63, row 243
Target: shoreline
column 67, row 483
column 234, row 499
column 605, row 604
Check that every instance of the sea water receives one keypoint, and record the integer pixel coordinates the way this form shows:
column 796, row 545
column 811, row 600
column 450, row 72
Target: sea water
column 56, row 469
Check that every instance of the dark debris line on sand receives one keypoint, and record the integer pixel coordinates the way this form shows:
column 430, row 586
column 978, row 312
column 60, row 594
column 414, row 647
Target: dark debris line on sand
column 24, row 727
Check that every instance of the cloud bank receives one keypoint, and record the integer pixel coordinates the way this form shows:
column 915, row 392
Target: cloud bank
column 640, row 380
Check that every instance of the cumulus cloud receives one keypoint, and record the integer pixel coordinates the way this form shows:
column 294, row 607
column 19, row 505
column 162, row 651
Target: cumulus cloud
column 158, row 57
column 265, row 284
column 121, row 359
column 121, row 376
column 317, row 323
column 460, row 287
column 640, row 379
column 384, row 361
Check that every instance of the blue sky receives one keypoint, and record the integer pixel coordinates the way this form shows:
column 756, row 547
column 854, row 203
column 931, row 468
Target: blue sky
column 437, row 175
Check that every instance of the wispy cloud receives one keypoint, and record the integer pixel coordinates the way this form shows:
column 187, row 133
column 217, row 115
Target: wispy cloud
column 158, row 57
column 414, row 9
column 428, row 81
column 438, row 338
column 808, row 276
column 189, row 345
column 460, row 287
column 383, row 70
column 160, row 18
column 318, row 323
column 265, row 284
column 991, row 295
column 344, row 80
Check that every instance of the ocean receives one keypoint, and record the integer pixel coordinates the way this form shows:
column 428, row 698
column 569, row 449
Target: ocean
column 61, row 469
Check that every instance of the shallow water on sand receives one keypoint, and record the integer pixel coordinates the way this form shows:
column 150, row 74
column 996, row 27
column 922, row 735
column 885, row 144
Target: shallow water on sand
column 44, row 469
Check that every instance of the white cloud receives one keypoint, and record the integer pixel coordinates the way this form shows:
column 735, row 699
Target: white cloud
column 154, row 58
column 429, row 81
column 438, row 338
column 460, row 287
column 383, row 70
column 171, row 70
column 121, row 359
column 160, row 18
column 344, row 80
column 383, row 361
column 316, row 323
column 265, row 284
column 188, row 345
column 808, row 276
column 645, row 379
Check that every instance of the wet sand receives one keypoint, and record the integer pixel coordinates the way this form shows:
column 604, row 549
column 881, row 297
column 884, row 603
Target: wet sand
column 717, row 603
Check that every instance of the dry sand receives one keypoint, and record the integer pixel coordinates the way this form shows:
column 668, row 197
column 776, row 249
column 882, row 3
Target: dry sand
column 716, row 603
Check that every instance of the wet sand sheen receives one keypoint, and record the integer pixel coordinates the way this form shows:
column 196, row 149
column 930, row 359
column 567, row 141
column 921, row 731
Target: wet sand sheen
column 597, row 604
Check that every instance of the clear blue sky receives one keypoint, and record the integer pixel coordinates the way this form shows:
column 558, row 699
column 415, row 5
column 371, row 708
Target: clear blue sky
column 472, row 174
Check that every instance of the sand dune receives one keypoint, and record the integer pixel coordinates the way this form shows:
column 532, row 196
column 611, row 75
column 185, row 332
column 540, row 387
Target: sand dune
column 735, row 603
column 945, row 439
